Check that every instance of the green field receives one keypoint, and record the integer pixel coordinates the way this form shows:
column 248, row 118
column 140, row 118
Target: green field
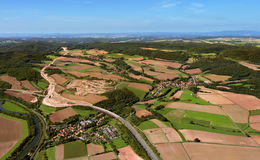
column 46, row 110
column 139, row 93
column 25, row 131
column 13, row 107
column 42, row 84
column 139, row 106
column 75, row 149
column 254, row 112
column 147, row 125
column 84, row 113
column 184, row 119
column 108, row 147
column 40, row 156
column 51, row 56
column 119, row 143
column 188, row 97
column 51, row 153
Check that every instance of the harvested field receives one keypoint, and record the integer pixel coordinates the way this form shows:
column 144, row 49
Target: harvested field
column 255, row 126
column 247, row 101
column 94, row 149
column 254, row 119
column 59, row 152
column 236, row 113
column 172, row 151
column 81, row 66
column 210, row 137
column 105, row 156
column 84, row 87
column 201, row 151
column 59, row 79
column 140, row 77
column 193, row 71
column 159, row 123
column 90, row 98
column 177, row 95
column 13, row 81
column 141, row 86
column 160, row 75
column 135, row 67
column 127, row 153
column 136, row 59
column 61, row 115
column 251, row 66
column 256, row 138
column 196, row 107
column 217, row 78
column 28, row 85
column 143, row 113
column 162, row 135
column 25, row 97
column 147, row 102
column 214, row 98
column 10, row 134
column 162, row 63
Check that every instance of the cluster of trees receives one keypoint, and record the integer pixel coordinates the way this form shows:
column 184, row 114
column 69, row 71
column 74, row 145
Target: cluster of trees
column 5, row 85
column 119, row 101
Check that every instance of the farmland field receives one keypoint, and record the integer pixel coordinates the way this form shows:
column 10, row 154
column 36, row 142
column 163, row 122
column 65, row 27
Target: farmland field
column 74, row 149
column 119, row 143
column 147, row 125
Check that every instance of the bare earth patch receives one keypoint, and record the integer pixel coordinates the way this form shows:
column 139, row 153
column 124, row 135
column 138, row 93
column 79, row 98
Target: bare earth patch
column 177, row 95
column 214, row 98
column 256, row 138
column 255, row 126
column 90, row 98
column 94, row 149
column 127, row 153
column 10, row 133
column 172, row 151
column 105, row 156
column 236, row 113
column 162, row 63
column 61, row 115
column 201, row 151
column 97, row 52
column 210, row 137
column 196, row 107
column 143, row 113
column 11, row 80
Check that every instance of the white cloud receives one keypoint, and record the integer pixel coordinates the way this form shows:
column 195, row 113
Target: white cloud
column 169, row 4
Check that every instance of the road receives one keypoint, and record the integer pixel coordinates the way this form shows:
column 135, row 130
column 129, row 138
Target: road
column 53, row 95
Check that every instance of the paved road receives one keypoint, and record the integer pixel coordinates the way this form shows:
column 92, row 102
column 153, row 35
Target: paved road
column 146, row 147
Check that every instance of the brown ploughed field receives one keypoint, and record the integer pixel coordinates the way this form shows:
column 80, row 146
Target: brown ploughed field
column 11, row 80
column 254, row 119
column 141, row 86
column 59, row 152
column 61, row 115
column 193, row 71
column 26, row 97
column 75, row 60
column 28, row 85
column 172, row 151
column 214, row 98
column 177, row 95
column 127, row 153
column 140, row 77
column 251, row 66
column 210, row 137
column 104, row 156
column 196, row 107
column 143, row 113
column 256, row 138
column 162, row 63
column 81, row 66
column 94, row 149
column 59, row 79
column 10, row 133
column 255, row 126
column 202, row 151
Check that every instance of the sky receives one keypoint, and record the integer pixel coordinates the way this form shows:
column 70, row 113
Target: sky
column 112, row 16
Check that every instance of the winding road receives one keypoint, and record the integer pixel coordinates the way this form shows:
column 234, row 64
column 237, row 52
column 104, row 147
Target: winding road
column 52, row 95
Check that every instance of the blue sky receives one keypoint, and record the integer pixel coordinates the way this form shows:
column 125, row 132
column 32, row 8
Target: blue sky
column 90, row 16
